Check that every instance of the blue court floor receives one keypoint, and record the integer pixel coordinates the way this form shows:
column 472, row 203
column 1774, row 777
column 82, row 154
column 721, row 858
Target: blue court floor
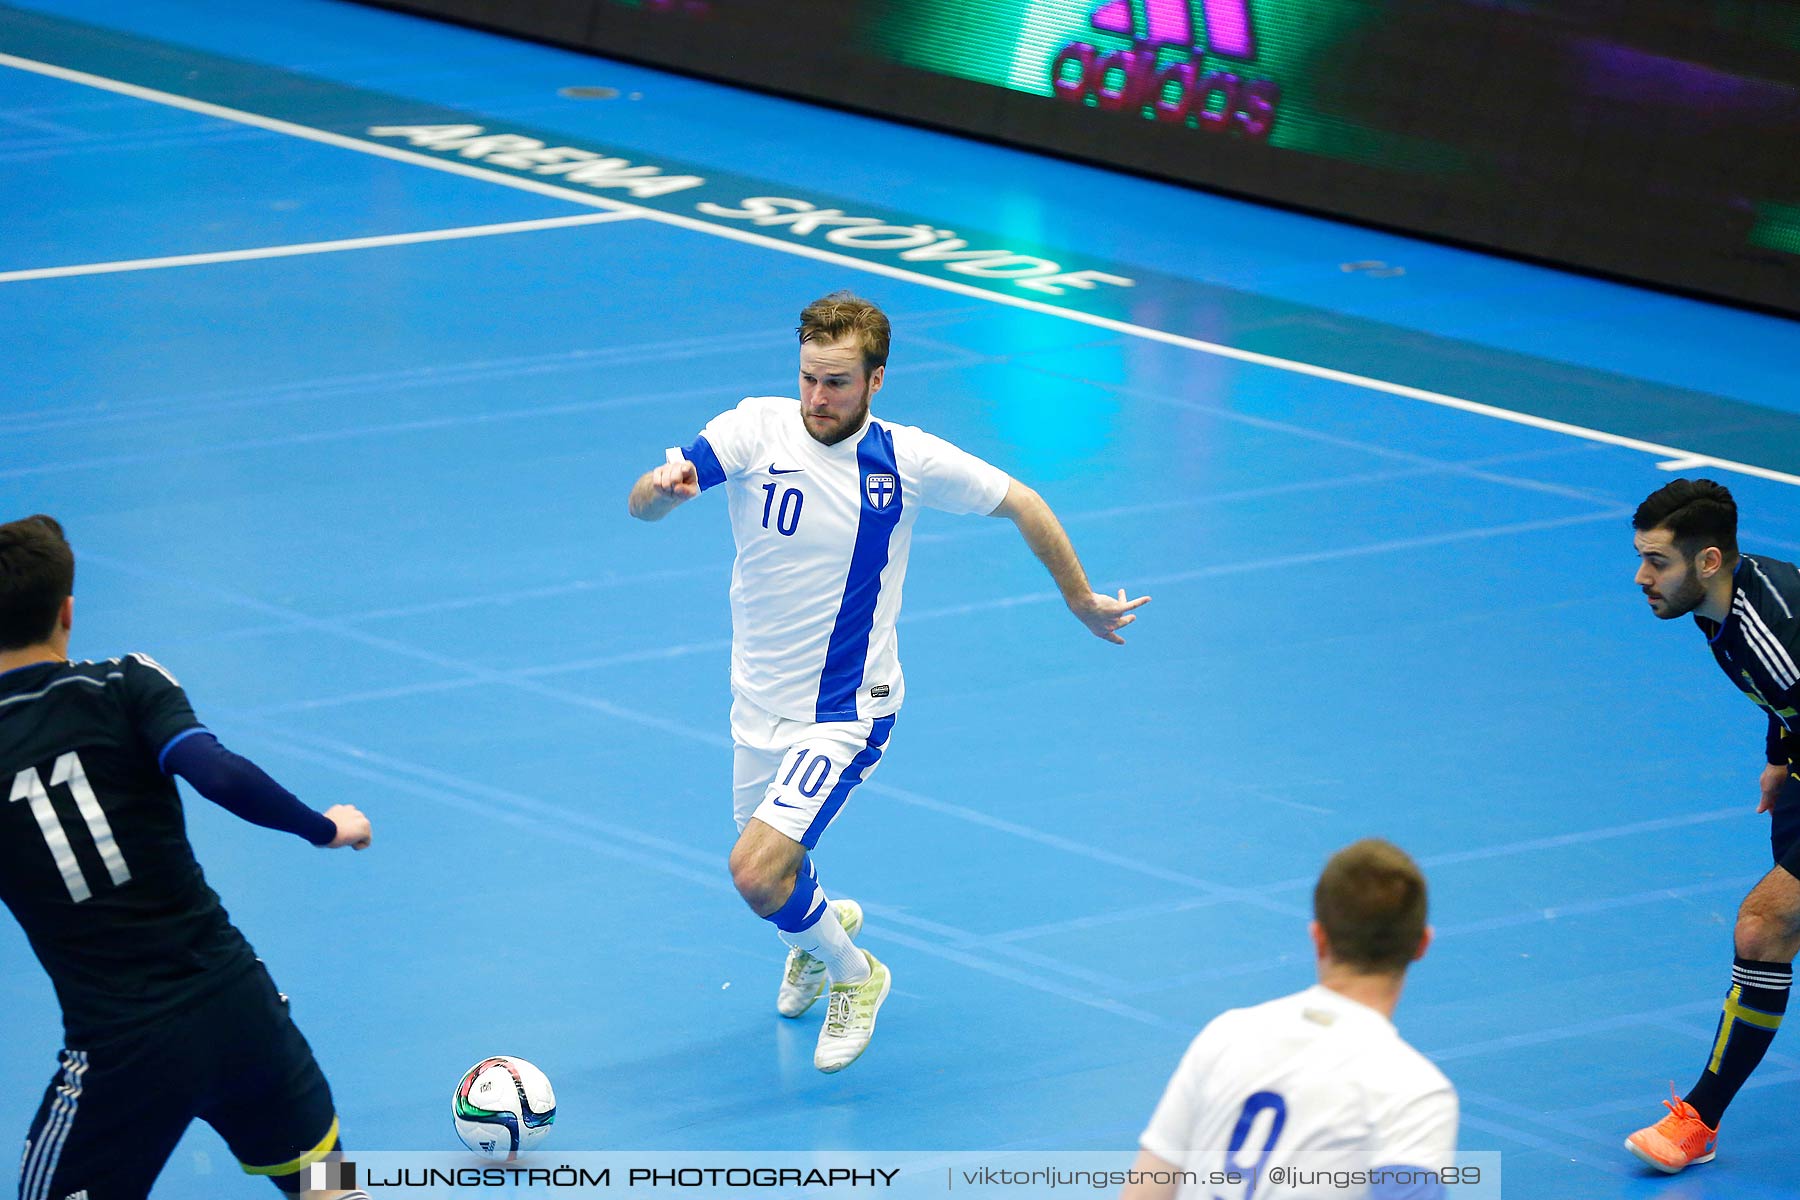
column 367, row 502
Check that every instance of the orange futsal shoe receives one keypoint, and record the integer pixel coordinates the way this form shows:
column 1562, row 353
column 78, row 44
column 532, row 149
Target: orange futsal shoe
column 1679, row 1140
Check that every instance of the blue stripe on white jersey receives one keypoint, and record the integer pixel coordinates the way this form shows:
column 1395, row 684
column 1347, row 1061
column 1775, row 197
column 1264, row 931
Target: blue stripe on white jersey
column 848, row 650
column 706, row 463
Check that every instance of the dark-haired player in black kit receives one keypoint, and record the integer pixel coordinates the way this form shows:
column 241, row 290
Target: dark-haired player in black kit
column 1748, row 607
column 168, row 1014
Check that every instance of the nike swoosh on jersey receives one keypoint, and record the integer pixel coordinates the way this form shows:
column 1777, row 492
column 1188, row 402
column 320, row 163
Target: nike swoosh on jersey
column 783, row 804
column 785, row 470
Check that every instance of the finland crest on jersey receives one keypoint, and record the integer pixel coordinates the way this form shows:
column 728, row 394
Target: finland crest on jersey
column 880, row 489
column 823, row 534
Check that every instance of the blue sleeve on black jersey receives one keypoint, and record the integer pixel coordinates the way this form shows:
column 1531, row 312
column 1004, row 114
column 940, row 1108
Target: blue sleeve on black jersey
column 157, row 706
column 162, row 757
column 239, row 786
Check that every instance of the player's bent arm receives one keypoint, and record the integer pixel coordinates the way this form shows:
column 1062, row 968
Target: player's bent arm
column 1044, row 534
column 1152, row 1178
column 660, row 489
column 241, row 787
column 1103, row 615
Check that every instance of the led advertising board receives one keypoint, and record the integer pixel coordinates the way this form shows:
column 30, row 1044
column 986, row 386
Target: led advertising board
column 1654, row 140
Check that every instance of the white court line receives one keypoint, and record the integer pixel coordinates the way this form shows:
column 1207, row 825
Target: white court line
column 289, row 251
column 1670, row 457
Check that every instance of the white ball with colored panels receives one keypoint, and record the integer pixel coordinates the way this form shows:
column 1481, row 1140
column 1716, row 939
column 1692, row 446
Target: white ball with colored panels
column 503, row 1106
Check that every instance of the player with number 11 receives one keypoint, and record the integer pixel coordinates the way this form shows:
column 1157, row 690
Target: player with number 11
column 168, row 1014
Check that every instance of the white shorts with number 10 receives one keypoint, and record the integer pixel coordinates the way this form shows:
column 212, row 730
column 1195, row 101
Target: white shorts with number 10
column 795, row 776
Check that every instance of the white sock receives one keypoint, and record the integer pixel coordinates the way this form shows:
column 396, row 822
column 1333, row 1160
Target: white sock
column 826, row 941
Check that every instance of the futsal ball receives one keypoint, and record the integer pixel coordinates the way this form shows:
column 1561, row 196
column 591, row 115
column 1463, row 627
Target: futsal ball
column 502, row 1106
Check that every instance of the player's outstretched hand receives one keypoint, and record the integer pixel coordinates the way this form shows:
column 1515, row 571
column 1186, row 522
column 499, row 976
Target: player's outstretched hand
column 352, row 828
column 1105, row 616
column 1774, row 776
column 676, row 480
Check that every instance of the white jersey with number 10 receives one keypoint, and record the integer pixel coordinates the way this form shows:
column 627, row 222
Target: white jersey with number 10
column 823, row 534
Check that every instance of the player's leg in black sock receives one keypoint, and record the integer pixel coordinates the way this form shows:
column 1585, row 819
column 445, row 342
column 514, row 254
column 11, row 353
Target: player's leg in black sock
column 1753, row 1011
column 1762, row 974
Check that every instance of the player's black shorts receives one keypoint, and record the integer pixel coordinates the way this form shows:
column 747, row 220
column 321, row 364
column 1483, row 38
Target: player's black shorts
column 1784, row 825
column 234, row 1058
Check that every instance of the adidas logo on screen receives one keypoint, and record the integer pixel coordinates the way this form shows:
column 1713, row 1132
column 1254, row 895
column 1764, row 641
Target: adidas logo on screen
column 1160, row 75
column 1170, row 23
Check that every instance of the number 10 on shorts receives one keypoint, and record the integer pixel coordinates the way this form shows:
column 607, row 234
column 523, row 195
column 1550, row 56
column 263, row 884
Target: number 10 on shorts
column 812, row 770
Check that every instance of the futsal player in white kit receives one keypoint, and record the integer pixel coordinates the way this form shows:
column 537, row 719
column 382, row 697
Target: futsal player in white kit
column 1321, row 1073
column 823, row 497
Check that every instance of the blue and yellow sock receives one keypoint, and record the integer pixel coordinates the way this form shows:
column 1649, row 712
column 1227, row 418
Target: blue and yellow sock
column 1753, row 1011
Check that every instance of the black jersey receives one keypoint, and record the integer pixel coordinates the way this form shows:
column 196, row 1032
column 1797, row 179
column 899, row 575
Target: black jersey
column 94, row 856
column 1758, row 646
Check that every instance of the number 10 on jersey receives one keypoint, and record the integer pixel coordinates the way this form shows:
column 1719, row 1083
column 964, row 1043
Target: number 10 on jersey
column 28, row 786
column 787, row 519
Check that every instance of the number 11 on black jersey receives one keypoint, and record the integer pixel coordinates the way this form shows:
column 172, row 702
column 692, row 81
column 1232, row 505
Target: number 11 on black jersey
column 28, row 786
